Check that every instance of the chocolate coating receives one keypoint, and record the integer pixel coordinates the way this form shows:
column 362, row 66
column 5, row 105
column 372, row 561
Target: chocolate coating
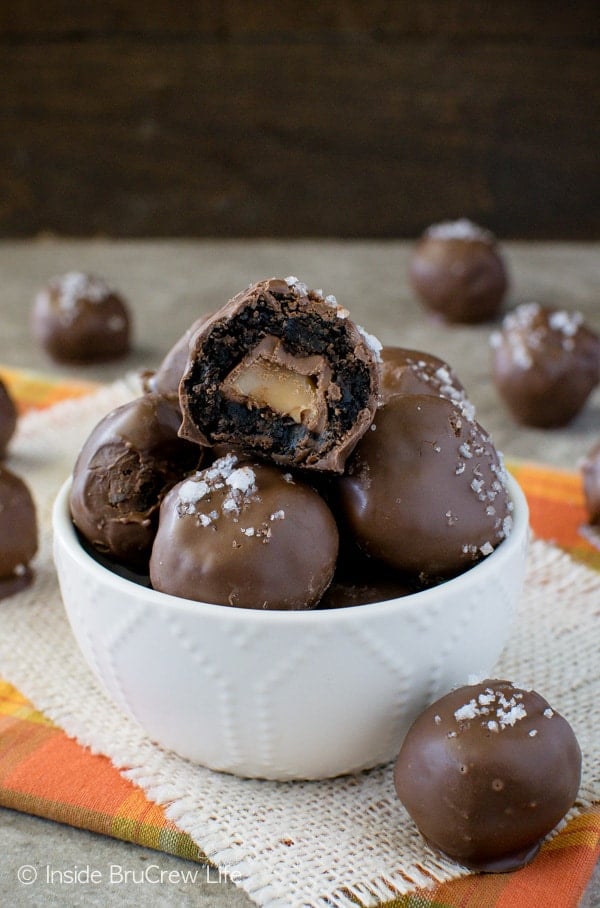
column 486, row 773
column 290, row 341
column 246, row 535
column 78, row 318
column 425, row 490
column 590, row 471
column 132, row 457
column 458, row 273
column 8, row 418
column 415, row 372
column 18, row 533
column 165, row 381
column 364, row 583
column 545, row 364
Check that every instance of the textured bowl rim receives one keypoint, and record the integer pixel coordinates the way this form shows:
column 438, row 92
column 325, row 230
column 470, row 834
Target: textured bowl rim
column 64, row 532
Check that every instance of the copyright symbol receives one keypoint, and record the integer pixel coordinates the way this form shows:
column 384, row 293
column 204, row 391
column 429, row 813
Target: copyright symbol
column 27, row 874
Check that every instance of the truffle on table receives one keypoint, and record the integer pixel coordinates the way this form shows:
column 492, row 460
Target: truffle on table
column 458, row 273
column 8, row 418
column 425, row 490
column 129, row 461
column 545, row 364
column 284, row 371
column 486, row 772
column 18, row 533
column 79, row 318
column 244, row 534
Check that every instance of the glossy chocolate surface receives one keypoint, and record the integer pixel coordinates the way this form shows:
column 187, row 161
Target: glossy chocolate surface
column 244, row 534
column 545, row 364
column 165, row 381
column 406, row 371
column 425, row 490
column 18, row 533
column 284, row 341
column 79, row 318
column 486, row 772
column 132, row 457
column 458, row 273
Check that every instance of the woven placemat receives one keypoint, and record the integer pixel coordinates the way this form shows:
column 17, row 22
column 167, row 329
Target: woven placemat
column 286, row 844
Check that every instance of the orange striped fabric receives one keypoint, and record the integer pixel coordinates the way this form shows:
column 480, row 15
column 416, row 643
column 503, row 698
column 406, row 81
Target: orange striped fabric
column 43, row 772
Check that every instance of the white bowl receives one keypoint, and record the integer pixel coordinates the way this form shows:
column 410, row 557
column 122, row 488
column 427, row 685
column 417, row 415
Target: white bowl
column 286, row 695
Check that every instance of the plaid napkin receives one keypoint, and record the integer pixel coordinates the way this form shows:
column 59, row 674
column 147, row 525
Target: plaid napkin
column 46, row 773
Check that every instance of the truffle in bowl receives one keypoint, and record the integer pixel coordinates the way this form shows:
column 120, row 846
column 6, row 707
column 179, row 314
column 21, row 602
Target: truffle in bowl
column 285, row 694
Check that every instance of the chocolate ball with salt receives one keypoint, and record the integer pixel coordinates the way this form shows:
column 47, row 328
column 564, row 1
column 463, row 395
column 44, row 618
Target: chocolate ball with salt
column 166, row 379
column 405, row 371
column 18, row 533
column 545, row 364
column 8, row 418
column 486, row 772
column 425, row 490
column 458, row 273
column 244, row 534
column 283, row 371
column 129, row 461
column 78, row 318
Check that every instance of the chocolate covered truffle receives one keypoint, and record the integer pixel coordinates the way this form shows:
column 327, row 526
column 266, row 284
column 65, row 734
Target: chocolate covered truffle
column 458, row 273
column 132, row 457
column 79, row 318
column 8, row 418
column 165, row 381
column 18, row 533
column 284, row 371
column 487, row 772
column 415, row 372
column 425, row 490
column 590, row 471
column 244, row 534
column 545, row 364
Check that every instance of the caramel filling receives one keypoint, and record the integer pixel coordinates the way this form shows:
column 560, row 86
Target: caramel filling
column 291, row 386
column 267, row 384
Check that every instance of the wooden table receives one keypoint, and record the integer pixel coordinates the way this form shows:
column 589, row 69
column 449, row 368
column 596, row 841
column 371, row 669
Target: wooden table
column 170, row 283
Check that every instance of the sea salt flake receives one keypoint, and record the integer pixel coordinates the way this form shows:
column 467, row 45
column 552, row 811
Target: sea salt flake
column 242, row 480
column 548, row 713
column 192, row 491
column 278, row 515
column 469, row 711
column 533, row 733
column 486, row 549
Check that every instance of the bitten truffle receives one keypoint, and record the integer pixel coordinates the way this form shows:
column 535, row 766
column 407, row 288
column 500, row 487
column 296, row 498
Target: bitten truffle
column 247, row 535
column 8, row 418
column 590, row 471
column 425, row 490
column 545, row 364
column 18, row 533
column 487, row 772
column 284, row 371
column 458, row 273
column 130, row 460
column 415, row 372
column 78, row 318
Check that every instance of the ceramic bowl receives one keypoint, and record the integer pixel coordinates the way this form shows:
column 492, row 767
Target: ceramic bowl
column 286, row 695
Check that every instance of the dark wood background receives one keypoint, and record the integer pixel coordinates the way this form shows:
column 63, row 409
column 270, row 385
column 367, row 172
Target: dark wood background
column 333, row 118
